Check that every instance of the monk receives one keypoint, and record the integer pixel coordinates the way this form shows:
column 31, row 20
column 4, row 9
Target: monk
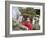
column 28, row 24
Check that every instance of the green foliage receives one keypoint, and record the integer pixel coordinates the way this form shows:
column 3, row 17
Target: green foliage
column 28, row 12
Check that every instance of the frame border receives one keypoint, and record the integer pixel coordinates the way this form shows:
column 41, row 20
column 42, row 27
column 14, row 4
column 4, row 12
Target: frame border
column 7, row 18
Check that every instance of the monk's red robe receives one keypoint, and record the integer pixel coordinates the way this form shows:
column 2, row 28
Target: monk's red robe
column 28, row 25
